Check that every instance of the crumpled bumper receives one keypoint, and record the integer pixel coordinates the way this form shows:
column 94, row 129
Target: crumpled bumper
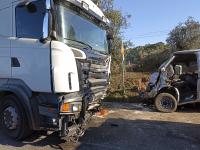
column 146, row 95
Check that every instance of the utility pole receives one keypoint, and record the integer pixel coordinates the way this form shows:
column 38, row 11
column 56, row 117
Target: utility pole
column 123, row 68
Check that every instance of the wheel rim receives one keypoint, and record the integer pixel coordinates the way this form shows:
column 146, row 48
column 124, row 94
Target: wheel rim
column 167, row 103
column 10, row 118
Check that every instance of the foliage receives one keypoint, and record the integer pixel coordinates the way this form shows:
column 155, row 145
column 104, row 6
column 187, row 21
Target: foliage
column 185, row 36
column 148, row 57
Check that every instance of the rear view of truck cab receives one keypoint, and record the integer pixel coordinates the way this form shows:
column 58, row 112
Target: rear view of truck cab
column 54, row 65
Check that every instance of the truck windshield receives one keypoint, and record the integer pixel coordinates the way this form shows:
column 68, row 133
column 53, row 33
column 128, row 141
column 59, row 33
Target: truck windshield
column 75, row 26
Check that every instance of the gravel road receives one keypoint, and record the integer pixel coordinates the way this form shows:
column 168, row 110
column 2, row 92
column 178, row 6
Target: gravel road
column 125, row 127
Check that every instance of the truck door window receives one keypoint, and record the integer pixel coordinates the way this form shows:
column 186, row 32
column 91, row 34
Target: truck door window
column 29, row 21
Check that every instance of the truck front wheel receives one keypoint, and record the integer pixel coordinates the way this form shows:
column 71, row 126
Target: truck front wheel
column 166, row 102
column 13, row 118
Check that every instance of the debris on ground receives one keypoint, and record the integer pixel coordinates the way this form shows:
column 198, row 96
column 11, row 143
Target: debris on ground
column 102, row 113
column 129, row 106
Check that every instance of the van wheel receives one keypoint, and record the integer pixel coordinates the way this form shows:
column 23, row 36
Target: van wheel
column 166, row 102
column 13, row 118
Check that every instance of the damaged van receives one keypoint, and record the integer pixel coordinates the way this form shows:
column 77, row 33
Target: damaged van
column 177, row 82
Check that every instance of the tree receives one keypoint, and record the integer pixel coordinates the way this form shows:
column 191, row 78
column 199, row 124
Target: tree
column 185, row 36
column 148, row 57
column 105, row 5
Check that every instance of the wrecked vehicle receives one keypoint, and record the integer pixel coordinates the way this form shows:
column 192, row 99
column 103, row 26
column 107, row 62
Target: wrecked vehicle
column 176, row 83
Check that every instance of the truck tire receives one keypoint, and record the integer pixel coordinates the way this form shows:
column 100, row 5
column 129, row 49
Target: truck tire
column 166, row 103
column 13, row 119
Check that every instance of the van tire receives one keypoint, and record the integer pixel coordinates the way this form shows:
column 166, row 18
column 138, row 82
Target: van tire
column 16, row 124
column 166, row 103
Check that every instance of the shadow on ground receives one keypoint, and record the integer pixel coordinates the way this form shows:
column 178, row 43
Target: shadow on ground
column 123, row 134
column 114, row 133
column 37, row 139
column 120, row 134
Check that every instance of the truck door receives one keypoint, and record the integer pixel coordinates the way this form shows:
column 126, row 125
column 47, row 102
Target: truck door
column 5, row 33
column 5, row 60
column 31, row 57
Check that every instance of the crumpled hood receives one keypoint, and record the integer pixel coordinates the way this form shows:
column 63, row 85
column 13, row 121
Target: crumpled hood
column 154, row 77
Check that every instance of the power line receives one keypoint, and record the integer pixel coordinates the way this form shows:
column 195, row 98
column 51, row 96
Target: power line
column 154, row 32
column 158, row 33
column 151, row 33
column 149, row 36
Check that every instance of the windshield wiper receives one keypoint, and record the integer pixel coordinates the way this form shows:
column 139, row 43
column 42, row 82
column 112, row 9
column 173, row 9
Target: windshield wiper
column 80, row 42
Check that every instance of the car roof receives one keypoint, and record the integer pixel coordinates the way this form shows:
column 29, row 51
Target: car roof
column 187, row 52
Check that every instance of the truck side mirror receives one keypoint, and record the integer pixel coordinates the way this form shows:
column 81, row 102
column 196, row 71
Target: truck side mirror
column 178, row 70
column 46, row 26
column 47, row 22
column 48, row 4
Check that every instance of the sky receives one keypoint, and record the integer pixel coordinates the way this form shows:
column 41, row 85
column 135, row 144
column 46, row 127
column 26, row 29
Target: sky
column 152, row 20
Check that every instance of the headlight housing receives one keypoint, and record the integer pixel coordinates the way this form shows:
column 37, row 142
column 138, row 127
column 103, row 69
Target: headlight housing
column 70, row 107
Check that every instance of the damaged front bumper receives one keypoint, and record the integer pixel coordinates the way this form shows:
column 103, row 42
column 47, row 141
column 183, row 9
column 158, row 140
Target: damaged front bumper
column 68, row 115
column 146, row 95
column 151, row 92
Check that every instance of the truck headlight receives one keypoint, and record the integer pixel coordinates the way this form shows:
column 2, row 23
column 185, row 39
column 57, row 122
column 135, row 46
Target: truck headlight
column 75, row 108
column 70, row 107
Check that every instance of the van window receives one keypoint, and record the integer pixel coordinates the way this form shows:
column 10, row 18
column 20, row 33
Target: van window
column 187, row 61
column 29, row 20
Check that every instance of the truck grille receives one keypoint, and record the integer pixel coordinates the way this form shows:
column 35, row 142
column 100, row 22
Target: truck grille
column 93, row 77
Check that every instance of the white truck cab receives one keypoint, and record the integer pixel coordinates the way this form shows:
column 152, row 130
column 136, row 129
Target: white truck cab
column 54, row 64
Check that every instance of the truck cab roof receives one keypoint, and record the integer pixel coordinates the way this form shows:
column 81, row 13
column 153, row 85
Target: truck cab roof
column 93, row 9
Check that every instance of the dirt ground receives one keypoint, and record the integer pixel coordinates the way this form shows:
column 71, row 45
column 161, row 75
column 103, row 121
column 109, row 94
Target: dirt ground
column 126, row 127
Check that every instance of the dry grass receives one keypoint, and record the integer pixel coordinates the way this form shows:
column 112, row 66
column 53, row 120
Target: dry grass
column 135, row 82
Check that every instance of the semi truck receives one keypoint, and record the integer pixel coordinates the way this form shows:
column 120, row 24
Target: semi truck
column 54, row 65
